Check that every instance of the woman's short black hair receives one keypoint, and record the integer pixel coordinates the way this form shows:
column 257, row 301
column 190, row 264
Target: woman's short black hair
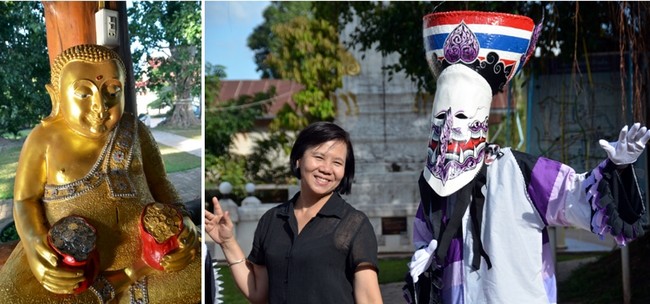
column 316, row 134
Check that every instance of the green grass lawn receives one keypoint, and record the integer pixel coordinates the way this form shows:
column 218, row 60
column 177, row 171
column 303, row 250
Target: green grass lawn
column 8, row 165
column 230, row 293
column 601, row 281
column 176, row 161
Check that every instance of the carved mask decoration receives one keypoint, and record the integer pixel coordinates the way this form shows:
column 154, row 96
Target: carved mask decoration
column 473, row 55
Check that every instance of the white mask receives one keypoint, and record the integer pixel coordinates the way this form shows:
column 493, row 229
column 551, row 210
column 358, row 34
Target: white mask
column 473, row 55
column 459, row 128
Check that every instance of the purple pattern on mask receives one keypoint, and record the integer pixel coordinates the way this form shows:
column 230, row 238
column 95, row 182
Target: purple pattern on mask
column 446, row 169
column 477, row 126
column 439, row 170
column 451, row 169
column 461, row 45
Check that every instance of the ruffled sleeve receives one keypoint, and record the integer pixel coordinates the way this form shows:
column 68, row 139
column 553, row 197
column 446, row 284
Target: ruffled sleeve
column 616, row 202
column 603, row 200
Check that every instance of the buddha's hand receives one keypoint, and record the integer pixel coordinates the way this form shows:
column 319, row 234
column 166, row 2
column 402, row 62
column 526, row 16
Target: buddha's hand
column 629, row 146
column 188, row 245
column 218, row 225
column 49, row 269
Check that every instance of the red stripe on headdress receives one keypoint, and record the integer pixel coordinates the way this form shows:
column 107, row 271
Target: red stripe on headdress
column 475, row 17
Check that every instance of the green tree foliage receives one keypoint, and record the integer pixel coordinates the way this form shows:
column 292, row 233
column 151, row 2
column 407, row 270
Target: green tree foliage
column 9, row 234
column 262, row 41
column 292, row 44
column 167, row 38
column 230, row 168
column 309, row 53
column 263, row 166
column 222, row 124
column 24, row 66
column 213, row 76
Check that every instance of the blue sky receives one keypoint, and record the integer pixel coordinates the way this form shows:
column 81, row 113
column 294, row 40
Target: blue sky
column 227, row 27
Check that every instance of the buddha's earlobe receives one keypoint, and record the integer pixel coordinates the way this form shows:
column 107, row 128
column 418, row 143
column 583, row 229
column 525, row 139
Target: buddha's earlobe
column 54, row 98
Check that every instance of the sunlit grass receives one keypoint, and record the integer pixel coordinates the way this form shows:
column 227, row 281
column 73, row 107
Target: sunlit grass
column 229, row 291
column 8, row 166
column 176, row 161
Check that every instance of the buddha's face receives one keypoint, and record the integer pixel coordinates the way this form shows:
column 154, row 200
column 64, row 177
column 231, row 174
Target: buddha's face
column 91, row 96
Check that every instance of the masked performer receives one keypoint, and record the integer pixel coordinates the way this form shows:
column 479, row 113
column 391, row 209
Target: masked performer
column 481, row 229
column 85, row 178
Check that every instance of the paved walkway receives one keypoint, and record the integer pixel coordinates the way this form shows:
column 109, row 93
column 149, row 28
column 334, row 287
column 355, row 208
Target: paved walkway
column 188, row 182
column 192, row 146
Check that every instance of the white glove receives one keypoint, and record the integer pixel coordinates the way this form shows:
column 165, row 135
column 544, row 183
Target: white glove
column 421, row 260
column 629, row 146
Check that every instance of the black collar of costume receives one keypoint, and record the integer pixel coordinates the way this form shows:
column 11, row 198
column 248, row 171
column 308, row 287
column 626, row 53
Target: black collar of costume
column 470, row 196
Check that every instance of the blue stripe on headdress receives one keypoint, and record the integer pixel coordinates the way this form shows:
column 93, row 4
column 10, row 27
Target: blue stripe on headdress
column 489, row 41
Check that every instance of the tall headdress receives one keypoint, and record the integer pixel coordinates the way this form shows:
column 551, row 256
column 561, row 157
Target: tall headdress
column 495, row 45
column 473, row 55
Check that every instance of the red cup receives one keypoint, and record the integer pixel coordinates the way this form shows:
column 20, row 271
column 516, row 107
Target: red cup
column 160, row 225
column 74, row 240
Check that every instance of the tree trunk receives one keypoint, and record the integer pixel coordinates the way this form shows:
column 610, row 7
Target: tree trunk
column 183, row 115
column 183, row 112
column 73, row 23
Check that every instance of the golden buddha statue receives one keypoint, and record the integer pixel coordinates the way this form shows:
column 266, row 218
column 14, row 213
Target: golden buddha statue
column 89, row 159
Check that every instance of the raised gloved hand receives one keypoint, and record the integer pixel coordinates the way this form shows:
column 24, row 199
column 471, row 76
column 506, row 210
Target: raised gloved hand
column 629, row 146
column 421, row 260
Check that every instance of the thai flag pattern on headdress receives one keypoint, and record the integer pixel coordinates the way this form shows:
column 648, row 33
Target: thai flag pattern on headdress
column 495, row 45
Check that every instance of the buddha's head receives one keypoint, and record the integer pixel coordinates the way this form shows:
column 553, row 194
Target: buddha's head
column 87, row 89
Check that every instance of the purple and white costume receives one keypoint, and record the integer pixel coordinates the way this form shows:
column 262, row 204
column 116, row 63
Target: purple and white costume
column 481, row 228
column 523, row 196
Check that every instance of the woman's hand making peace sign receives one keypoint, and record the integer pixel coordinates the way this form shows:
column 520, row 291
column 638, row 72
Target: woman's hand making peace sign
column 218, row 224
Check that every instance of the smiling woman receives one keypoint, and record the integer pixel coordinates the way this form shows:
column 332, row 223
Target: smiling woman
column 316, row 234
